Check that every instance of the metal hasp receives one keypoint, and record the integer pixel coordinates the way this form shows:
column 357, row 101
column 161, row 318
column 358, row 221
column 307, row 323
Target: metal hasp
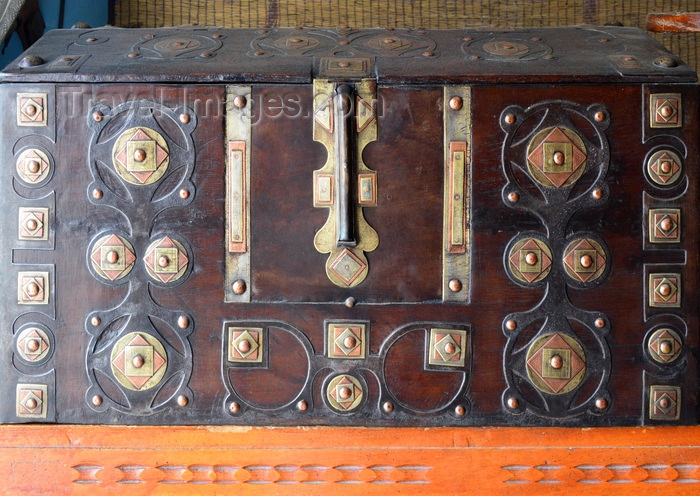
column 345, row 122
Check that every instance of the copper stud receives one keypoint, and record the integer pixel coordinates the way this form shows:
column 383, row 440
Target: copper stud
column 475, row 57
column 259, row 53
column 31, row 403
column 112, row 257
column 97, row 116
column 350, row 302
column 388, row 407
column 511, row 325
column 536, row 39
column 665, row 347
column 344, row 64
column 556, row 362
column 558, row 158
column 350, row 342
column 163, row 261
column 139, row 154
column 664, row 403
column 344, row 42
column 32, row 289
column 216, row 36
column 665, row 289
column 138, row 361
column 95, row 321
column 665, row 167
column 604, row 40
column 513, row 403
column 550, row 57
column 389, row 28
column 599, row 323
column 207, row 54
column 302, row 405
column 184, row 194
column 666, row 111
column 97, row 400
column 531, row 258
column 450, row 348
column 31, row 61
column 599, row 116
column 460, row 410
column 296, row 40
column 586, row 261
column 239, row 286
column 455, row 285
column 235, row 407
column 467, row 38
column 185, row 118
column 389, row 40
column 262, row 31
column 133, row 55
column 597, row 193
column 428, row 54
column 182, row 400
column 33, row 166
column 344, row 393
column 32, row 224
column 183, row 322
column 97, row 194
column 244, row 346
column 345, row 27
column 239, row 101
column 509, row 118
column 455, row 103
column 32, row 345
column 178, row 43
column 66, row 59
column 30, row 110
column 601, row 403
column 513, row 197
column 148, row 37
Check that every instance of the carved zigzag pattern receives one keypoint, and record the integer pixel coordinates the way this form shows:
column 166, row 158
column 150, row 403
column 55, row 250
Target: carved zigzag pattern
column 654, row 473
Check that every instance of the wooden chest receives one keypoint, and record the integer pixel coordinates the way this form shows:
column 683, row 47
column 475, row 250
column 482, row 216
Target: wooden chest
column 349, row 227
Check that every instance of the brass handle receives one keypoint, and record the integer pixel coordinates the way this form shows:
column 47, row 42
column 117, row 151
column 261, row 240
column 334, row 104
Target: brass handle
column 345, row 164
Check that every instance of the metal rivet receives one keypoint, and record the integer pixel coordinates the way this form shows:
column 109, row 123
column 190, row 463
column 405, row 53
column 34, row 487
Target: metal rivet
column 97, row 194
column 207, row 54
column 586, row 261
column 421, row 31
column 258, row 53
column 513, row 403
column 344, row 42
column 558, row 158
column 216, row 36
column 185, row 118
column 148, row 37
column 509, row 119
column 350, row 342
column 344, row 64
column 531, row 258
column 665, row 347
column 97, row 400
column 556, row 362
column 599, row 116
column 449, row 348
column 344, row 392
column 31, row 403
column 601, row 403
column 664, row 403
column 665, row 167
column 344, row 27
column 513, row 197
column 239, row 101
column 536, row 39
column 428, row 54
column 389, row 28
column 597, row 193
column 389, row 40
column 467, row 38
column 112, row 257
column 33, row 166
column 97, row 116
column 475, row 57
column 666, row 111
column 604, row 40
column 31, row 61
column 244, row 346
column 66, row 59
column 32, row 289
column 302, row 405
column 138, row 361
column 239, row 286
column 666, row 62
column 350, row 302
column 388, row 407
column 184, row 194
column 133, row 55
column 460, row 410
column 32, row 345
column 511, row 325
column 599, row 323
column 163, row 261
column 665, row 289
column 455, row 103
column 262, row 31
column 32, row 224
column 183, row 322
column 455, row 285
column 139, row 154
column 182, row 400
column 550, row 57
column 95, row 321
column 178, row 43
column 235, row 407
column 297, row 40
column 30, row 110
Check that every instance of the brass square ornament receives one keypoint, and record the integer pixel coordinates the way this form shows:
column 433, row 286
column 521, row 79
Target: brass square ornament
column 346, row 340
column 33, row 288
column 665, row 290
column 31, row 109
column 33, row 224
column 664, row 225
column 31, row 401
column 245, row 344
column 448, row 347
column 665, row 110
column 664, row 402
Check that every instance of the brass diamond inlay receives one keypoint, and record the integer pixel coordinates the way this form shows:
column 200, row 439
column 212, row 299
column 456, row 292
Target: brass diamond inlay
column 245, row 344
column 664, row 225
column 664, row 290
column 166, row 260
column 664, row 167
column 556, row 157
column 33, row 345
column 447, row 347
column 112, row 257
column 664, row 402
column 530, row 260
column 556, row 363
column 33, row 166
column 665, row 345
column 348, row 267
column 140, row 156
column 346, row 340
column 31, row 109
column 31, row 401
column 33, row 224
column 138, row 361
column 33, row 288
column 344, row 392
column 584, row 260
column 665, row 110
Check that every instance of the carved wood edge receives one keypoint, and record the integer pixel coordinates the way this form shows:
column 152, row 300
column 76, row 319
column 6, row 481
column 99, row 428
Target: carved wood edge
column 179, row 460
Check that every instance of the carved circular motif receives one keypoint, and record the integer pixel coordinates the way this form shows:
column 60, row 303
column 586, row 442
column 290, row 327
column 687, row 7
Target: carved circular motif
column 166, row 260
column 34, row 345
column 664, row 167
column 141, row 156
column 556, row 157
column 138, row 361
column 33, row 166
column 556, row 363
column 584, row 260
column 344, row 393
column 112, row 257
column 530, row 260
column 665, row 345
column 506, row 48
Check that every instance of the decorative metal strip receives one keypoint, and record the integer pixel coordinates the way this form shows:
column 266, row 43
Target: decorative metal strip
column 238, row 134
column 457, row 195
